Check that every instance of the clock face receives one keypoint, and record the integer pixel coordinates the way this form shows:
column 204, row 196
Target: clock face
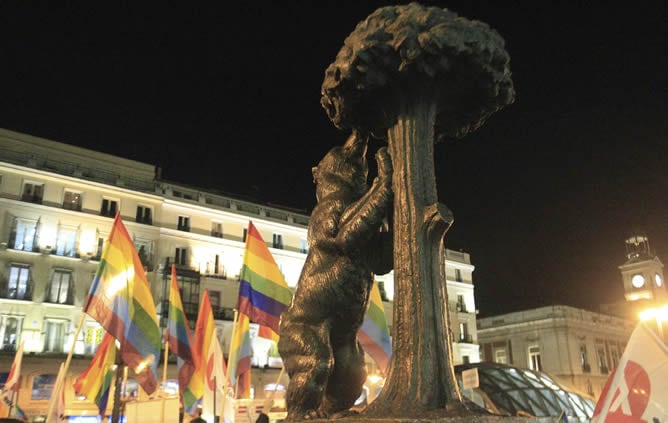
column 658, row 280
column 638, row 281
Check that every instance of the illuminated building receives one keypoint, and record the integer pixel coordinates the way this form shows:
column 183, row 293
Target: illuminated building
column 57, row 204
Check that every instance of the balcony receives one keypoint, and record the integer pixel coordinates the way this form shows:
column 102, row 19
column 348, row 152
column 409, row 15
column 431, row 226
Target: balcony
column 32, row 198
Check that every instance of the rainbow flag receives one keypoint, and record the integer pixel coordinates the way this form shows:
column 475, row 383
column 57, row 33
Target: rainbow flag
column 239, row 358
column 263, row 292
column 374, row 334
column 95, row 382
column 120, row 300
column 180, row 341
column 213, row 362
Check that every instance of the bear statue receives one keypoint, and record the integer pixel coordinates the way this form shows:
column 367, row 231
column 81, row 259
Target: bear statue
column 349, row 240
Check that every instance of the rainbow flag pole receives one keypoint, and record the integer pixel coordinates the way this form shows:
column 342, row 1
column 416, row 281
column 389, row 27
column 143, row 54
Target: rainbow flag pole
column 66, row 365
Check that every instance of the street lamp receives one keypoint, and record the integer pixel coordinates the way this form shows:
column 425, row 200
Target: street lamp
column 659, row 314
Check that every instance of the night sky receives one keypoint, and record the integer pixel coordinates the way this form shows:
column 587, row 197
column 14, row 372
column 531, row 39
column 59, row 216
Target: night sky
column 226, row 95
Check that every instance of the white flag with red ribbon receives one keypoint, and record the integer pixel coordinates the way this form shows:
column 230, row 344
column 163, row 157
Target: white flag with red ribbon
column 637, row 391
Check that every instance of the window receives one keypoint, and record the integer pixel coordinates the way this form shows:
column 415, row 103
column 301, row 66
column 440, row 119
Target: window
column 500, row 356
column 303, row 246
column 100, row 247
column 92, row 338
column 180, row 255
column 59, row 290
column 66, row 241
column 464, row 332
column 19, row 285
column 534, row 358
column 614, row 354
column 144, row 249
column 144, row 215
column 217, row 229
column 183, row 224
column 10, row 332
column 466, row 359
column 218, row 268
column 24, row 234
column 458, row 275
column 602, row 360
column 109, row 208
column 54, row 335
column 32, row 192
column 244, row 234
column 72, row 200
column 461, row 305
column 584, row 361
column 277, row 241
column 42, row 386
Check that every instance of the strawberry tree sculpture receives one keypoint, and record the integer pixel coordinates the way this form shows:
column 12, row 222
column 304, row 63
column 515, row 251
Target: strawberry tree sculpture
column 414, row 75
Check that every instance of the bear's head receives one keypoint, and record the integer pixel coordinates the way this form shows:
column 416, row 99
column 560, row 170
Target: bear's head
column 343, row 170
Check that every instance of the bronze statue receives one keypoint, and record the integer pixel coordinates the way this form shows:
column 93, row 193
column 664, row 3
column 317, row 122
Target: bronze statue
column 319, row 329
column 413, row 75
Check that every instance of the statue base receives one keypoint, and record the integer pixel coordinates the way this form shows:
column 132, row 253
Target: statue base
column 426, row 419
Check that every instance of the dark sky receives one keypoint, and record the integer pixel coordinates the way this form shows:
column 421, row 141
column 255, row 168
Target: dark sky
column 226, row 95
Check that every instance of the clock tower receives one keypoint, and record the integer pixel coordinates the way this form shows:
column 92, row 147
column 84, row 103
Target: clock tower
column 642, row 274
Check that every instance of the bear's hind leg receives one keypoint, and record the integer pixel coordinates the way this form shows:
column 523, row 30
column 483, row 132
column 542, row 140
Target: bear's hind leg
column 348, row 375
column 307, row 357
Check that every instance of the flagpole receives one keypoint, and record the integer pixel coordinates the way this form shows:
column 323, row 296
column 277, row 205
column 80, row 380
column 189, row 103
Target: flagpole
column 54, row 398
column 164, row 382
column 68, row 360
column 231, row 355
column 266, row 406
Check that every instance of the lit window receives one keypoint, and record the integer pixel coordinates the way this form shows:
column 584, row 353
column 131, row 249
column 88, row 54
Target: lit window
column 54, row 335
column 10, row 332
column 72, row 200
column 66, row 242
column 19, row 285
column 24, row 234
column 534, row 358
column 500, row 356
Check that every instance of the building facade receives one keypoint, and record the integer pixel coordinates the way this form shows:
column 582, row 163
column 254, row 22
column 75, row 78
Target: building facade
column 577, row 347
column 57, row 204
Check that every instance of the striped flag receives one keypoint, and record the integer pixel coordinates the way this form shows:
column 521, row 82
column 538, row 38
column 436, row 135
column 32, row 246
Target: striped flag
column 239, row 359
column 120, row 300
column 11, row 387
column 374, row 334
column 95, row 382
column 212, row 363
column 180, row 341
column 263, row 292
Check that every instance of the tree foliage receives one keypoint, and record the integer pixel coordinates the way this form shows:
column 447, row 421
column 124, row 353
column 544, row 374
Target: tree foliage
column 402, row 51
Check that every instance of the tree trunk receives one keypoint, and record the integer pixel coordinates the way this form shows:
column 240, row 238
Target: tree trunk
column 421, row 375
